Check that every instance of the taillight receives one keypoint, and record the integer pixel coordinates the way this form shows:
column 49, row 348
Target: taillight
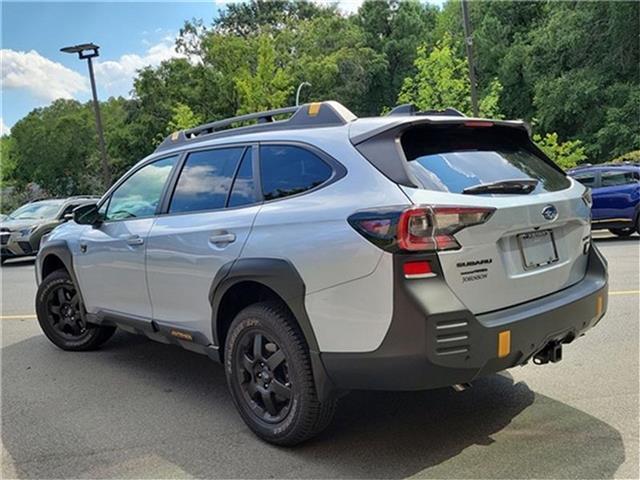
column 418, row 229
column 419, row 269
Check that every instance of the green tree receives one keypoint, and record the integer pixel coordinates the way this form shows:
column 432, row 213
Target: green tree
column 584, row 65
column 394, row 30
column 266, row 86
column 565, row 154
column 52, row 145
column 257, row 16
column 441, row 81
column 182, row 119
column 331, row 53
column 7, row 160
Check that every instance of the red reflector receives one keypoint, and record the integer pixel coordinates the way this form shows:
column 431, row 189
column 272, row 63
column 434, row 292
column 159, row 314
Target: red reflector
column 417, row 269
column 478, row 124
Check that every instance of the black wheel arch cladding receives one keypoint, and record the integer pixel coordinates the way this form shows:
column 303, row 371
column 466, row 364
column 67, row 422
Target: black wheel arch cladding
column 59, row 249
column 277, row 274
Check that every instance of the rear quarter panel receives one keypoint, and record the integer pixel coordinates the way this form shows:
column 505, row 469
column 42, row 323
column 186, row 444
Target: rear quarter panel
column 311, row 231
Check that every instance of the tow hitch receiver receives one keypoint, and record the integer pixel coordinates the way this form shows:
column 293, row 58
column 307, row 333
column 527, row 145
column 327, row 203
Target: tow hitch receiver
column 552, row 352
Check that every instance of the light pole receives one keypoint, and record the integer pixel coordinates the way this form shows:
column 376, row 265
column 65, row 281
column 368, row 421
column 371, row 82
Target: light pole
column 303, row 84
column 87, row 51
column 468, row 41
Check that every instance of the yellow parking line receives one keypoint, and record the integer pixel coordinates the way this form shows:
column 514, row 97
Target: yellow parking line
column 625, row 292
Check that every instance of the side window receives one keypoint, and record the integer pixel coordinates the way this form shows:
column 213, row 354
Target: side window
column 588, row 180
column 611, row 179
column 205, row 180
column 287, row 170
column 140, row 194
column 243, row 191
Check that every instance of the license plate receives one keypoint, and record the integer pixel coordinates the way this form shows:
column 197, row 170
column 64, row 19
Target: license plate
column 538, row 248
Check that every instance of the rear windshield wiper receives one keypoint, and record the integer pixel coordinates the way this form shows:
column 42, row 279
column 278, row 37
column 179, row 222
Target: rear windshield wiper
column 523, row 187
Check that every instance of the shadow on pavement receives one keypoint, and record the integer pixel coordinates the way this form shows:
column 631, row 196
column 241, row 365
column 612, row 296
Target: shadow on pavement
column 141, row 409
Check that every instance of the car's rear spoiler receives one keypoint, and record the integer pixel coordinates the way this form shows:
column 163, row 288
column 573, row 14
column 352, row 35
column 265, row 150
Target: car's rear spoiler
column 381, row 145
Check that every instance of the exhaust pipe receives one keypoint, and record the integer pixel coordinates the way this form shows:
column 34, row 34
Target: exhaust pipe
column 552, row 352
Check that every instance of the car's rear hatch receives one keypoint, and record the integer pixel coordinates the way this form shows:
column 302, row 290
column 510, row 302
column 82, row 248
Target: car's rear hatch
column 535, row 241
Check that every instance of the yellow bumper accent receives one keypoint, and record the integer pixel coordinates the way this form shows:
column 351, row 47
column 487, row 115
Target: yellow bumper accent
column 504, row 343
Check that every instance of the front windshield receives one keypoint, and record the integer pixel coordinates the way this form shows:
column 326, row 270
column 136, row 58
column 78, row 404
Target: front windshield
column 36, row 210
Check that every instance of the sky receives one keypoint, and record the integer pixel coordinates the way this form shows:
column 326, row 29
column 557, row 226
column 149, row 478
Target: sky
column 131, row 35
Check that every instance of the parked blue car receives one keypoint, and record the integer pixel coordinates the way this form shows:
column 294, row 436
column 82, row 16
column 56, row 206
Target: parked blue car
column 615, row 190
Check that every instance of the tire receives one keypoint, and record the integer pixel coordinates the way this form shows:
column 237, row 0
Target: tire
column 61, row 315
column 264, row 344
column 622, row 232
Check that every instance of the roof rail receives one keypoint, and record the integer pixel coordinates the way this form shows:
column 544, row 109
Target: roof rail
column 411, row 109
column 318, row 114
column 582, row 165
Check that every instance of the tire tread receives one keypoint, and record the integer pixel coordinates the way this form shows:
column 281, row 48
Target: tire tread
column 317, row 415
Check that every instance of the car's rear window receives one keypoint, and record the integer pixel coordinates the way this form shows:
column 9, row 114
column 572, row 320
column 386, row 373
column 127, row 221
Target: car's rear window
column 452, row 159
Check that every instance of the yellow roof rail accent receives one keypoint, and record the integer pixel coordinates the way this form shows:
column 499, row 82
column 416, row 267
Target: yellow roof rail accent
column 314, row 109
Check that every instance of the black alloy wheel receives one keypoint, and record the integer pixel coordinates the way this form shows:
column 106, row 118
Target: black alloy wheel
column 64, row 312
column 62, row 316
column 264, row 376
column 268, row 369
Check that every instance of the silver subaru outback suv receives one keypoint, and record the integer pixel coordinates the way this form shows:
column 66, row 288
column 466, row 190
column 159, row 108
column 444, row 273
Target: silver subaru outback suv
column 322, row 252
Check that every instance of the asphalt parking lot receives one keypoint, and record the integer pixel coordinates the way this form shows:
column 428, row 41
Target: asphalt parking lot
column 138, row 409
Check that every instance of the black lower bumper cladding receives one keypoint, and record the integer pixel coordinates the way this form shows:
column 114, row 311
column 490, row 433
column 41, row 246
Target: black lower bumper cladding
column 434, row 341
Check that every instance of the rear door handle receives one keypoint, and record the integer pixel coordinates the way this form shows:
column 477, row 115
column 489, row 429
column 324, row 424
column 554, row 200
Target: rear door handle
column 222, row 238
column 135, row 240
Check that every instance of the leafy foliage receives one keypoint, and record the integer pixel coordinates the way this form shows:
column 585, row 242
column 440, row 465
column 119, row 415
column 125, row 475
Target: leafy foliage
column 182, row 119
column 566, row 155
column 441, row 81
column 633, row 156
column 267, row 86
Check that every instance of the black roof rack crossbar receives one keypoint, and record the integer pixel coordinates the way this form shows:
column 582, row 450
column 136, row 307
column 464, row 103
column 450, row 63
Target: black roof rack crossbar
column 411, row 109
column 320, row 114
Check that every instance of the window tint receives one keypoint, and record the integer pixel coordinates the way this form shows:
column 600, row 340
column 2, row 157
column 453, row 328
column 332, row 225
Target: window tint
column 610, row 179
column 288, row 170
column 587, row 179
column 452, row 159
column 205, row 180
column 243, row 191
column 140, row 194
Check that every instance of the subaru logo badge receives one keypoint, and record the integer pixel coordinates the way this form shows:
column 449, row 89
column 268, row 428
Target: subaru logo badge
column 550, row 213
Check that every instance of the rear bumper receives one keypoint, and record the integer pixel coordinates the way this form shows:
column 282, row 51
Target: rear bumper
column 434, row 341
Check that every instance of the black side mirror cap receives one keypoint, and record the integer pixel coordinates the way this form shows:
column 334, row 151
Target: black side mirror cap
column 87, row 215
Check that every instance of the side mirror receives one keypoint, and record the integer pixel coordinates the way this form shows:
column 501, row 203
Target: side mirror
column 67, row 217
column 87, row 215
